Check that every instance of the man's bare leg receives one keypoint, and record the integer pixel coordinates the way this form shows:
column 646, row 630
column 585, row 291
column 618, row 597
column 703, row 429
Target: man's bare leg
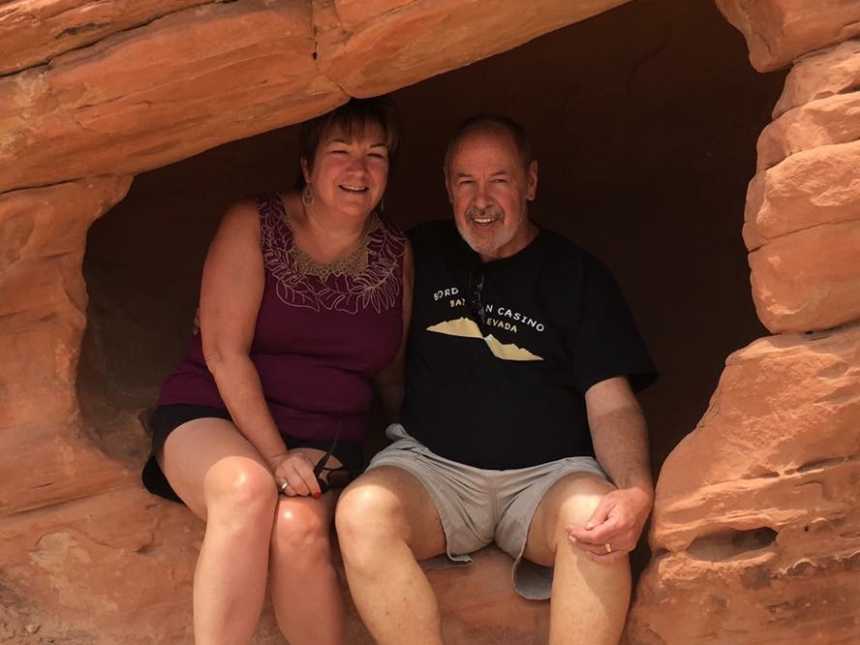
column 589, row 598
column 386, row 521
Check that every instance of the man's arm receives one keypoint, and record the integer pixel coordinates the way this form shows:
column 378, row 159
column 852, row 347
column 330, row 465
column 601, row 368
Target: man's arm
column 620, row 440
column 389, row 382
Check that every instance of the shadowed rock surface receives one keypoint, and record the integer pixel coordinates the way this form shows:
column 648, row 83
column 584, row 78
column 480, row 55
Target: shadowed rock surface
column 756, row 529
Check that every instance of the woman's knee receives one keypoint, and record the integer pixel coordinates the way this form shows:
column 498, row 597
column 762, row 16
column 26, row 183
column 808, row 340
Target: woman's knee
column 301, row 531
column 241, row 487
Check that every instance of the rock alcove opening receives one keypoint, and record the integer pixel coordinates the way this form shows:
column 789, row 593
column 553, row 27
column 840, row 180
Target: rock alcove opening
column 644, row 122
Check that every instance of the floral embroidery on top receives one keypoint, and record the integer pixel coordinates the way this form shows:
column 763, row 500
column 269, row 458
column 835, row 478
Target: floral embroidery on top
column 338, row 288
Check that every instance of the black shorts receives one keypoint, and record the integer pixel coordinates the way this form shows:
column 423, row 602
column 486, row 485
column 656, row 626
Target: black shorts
column 166, row 418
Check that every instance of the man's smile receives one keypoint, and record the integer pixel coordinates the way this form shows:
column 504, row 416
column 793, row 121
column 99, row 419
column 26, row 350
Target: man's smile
column 485, row 216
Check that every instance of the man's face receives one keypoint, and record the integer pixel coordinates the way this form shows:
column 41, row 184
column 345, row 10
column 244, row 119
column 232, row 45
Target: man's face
column 489, row 189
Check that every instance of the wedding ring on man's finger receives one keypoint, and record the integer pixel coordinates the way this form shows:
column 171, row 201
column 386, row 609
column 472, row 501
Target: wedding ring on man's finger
column 283, row 486
column 608, row 547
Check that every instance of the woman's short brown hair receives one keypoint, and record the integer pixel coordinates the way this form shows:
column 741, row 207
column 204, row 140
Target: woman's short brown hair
column 351, row 117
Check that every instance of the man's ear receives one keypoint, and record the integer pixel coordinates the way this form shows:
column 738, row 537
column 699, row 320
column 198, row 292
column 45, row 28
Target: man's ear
column 532, row 178
column 447, row 186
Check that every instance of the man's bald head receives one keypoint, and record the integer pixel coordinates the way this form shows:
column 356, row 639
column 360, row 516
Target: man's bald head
column 492, row 124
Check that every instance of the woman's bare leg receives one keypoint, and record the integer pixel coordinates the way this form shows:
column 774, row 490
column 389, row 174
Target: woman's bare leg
column 225, row 482
column 306, row 594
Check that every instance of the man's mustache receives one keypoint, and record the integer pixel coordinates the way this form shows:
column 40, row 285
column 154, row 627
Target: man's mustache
column 473, row 212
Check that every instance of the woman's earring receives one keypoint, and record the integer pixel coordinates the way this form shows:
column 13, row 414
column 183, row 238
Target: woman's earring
column 307, row 195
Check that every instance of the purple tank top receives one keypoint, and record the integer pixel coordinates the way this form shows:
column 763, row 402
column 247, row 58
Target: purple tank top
column 319, row 338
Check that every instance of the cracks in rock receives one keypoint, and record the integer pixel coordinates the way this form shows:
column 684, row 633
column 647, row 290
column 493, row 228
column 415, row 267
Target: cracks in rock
column 823, row 464
column 54, row 184
column 766, row 474
column 822, row 225
column 315, row 32
column 80, row 29
column 52, row 505
column 848, row 30
column 850, row 89
column 85, row 45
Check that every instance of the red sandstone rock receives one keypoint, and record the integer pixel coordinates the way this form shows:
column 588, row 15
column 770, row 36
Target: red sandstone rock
column 147, row 97
column 43, row 458
column 153, row 95
column 808, row 280
column 111, row 568
column 756, row 526
column 118, row 568
column 34, row 31
column 803, row 228
column 820, row 123
column 200, row 77
column 353, row 13
column 478, row 603
column 407, row 42
column 810, row 188
column 778, row 31
column 820, row 75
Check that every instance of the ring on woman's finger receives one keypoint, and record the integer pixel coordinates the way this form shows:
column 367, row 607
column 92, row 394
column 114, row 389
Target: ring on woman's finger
column 283, row 486
column 608, row 547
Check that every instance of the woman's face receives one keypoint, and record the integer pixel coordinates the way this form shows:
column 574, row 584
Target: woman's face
column 349, row 173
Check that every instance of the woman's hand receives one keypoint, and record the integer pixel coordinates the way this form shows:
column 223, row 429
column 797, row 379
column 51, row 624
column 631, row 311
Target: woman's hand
column 294, row 474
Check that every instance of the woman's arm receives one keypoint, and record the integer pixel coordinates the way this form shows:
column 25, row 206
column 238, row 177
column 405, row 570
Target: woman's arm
column 389, row 382
column 230, row 296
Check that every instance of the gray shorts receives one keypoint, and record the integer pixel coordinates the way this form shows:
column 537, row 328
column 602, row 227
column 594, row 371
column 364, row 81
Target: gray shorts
column 478, row 506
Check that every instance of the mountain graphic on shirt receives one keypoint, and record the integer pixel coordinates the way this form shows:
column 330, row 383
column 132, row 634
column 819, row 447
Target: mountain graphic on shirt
column 467, row 328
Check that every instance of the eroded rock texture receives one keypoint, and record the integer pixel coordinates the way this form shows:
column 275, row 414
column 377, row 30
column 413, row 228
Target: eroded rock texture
column 802, row 224
column 756, row 529
column 146, row 97
column 34, row 31
column 820, row 75
column 106, row 90
column 779, row 31
column 198, row 76
column 43, row 457
column 56, row 559
column 369, row 48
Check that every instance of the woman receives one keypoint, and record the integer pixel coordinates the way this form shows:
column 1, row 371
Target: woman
column 304, row 302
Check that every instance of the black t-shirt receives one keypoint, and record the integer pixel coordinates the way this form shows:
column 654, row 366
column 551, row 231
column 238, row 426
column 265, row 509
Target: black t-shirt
column 501, row 353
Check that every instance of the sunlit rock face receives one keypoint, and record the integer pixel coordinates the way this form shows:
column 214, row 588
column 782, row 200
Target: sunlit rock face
column 756, row 531
column 802, row 225
column 162, row 81
column 106, row 90
column 780, row 31
column 179, row 84
column 45, row 459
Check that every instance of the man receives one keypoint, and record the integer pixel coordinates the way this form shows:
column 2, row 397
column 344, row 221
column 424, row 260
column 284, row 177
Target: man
column 522, row 360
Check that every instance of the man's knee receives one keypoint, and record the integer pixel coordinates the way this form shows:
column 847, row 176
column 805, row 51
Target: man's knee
column 369, row 509
column 579, row 505
column 572, row 503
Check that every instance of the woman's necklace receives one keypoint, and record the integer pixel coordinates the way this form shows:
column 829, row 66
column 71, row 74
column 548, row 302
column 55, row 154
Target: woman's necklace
column 351, row 264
